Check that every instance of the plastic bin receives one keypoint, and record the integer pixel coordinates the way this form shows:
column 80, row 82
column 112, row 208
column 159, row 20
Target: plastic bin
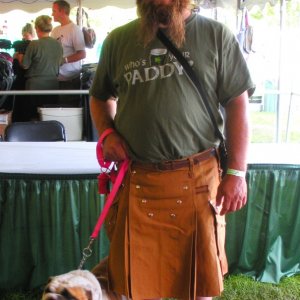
column 70, row 117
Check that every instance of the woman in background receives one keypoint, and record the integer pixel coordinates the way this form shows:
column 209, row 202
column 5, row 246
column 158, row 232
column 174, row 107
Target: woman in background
column 28, row 33
column 42, row 60
column 20, row 46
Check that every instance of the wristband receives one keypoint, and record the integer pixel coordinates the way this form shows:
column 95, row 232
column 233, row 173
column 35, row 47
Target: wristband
column 236, row 172
column 66, row 60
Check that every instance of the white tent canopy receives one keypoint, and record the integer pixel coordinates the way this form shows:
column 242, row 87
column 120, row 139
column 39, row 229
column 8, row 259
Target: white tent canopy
column 235, row 3
column 37, row 5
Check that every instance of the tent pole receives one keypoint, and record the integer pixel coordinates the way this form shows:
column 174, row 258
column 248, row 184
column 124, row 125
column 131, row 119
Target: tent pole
column 278, row 110
column 79, row 4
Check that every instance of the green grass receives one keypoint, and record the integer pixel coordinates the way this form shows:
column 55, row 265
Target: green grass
column 244, row 288
column 237, row 287
column 263, row 125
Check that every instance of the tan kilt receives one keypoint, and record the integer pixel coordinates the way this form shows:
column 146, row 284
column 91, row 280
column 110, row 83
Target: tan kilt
column 166, row 239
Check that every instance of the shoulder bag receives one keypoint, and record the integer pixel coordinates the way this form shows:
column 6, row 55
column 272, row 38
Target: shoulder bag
column 89, row 33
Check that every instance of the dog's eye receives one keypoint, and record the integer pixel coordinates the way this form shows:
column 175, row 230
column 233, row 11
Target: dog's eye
column 47, row 290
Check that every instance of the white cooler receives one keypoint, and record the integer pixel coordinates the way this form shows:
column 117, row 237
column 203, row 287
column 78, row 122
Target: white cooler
column 70, row 117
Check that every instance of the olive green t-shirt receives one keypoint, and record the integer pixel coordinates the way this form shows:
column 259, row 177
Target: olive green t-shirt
column 159, row 112
column 43, row 58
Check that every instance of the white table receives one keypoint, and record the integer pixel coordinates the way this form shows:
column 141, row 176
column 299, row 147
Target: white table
column 48, row 157
column 274, row 154
column 80, row 157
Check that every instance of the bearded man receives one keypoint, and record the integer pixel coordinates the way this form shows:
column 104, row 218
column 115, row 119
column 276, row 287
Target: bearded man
column 167, row 223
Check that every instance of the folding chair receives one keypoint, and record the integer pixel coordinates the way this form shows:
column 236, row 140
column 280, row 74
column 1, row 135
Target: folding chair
column 35, row 131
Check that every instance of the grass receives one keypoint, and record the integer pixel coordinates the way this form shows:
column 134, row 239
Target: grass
column 237, row 287
column 245, row 288
column 263, row 125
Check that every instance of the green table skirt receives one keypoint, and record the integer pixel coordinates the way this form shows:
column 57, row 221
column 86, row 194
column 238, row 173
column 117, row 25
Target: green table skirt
column 46, row 221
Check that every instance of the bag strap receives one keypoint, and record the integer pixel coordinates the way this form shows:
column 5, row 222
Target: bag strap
column 83, row 14
column 193, row 77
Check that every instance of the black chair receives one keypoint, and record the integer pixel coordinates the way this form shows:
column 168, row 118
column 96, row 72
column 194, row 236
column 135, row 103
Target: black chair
column 35, row 131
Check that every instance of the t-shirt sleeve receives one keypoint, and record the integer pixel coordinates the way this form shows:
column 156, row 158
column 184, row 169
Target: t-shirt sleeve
column 233, row 75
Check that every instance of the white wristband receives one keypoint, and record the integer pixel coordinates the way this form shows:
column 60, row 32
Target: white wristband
column 236, row 172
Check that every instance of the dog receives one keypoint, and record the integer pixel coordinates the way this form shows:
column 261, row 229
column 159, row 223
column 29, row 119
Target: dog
column 81, row 285
column 75, row 285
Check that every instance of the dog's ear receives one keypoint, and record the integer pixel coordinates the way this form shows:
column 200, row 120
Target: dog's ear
column 50, row 279
column 77, row 293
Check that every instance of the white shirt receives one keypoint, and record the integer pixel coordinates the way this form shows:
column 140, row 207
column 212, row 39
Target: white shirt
column 72, row 40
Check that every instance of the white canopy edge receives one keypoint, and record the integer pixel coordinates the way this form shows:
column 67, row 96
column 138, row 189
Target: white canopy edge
column 234, row 3
column 33, row 6
column 261, row 3
column 37, row 5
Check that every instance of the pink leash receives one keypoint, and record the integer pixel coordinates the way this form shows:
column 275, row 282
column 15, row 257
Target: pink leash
column 108, row 173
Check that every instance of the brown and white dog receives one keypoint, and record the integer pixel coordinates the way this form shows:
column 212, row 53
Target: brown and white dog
column 81, row 285
column 75, row 285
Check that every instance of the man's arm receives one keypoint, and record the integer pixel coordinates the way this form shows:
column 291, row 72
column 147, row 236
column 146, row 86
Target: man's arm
column 103, row 113
column 232, row 191
column 237, row 132
column 20, row 57
column 78, row 55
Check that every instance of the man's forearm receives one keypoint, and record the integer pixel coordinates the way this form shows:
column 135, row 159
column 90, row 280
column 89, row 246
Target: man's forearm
column 237, row 132
column 79, row 55
column 103, row 113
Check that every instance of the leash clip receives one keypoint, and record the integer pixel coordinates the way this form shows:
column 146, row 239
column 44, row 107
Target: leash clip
column 86, row 253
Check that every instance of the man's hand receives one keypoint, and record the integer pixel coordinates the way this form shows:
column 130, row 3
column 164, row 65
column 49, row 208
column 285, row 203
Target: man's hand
column 232, row 193
column 115, row 148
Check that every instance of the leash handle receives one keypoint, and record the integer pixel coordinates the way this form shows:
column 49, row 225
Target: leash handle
column 104, row 164
column 116, row 183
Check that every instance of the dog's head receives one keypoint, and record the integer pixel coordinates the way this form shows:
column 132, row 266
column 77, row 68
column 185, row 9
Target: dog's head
column 75, row 285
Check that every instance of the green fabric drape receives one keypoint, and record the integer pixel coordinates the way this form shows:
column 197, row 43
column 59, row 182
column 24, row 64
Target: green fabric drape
column 263, row 239
column 46, row 221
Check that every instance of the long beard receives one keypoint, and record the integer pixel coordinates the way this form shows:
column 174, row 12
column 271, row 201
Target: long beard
column 169, row 16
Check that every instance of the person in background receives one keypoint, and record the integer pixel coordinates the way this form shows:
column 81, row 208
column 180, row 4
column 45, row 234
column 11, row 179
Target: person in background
column 20, row 46
column 167, row 223
column 42, row 60
column 28, row 33
column 72, row 41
